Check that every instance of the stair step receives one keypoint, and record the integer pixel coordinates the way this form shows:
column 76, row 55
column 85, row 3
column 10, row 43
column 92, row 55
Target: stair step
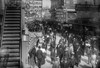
column 13, row 28
column 13, row 15
column 14, row 55
column 11, row 39
column 13, row 63
column 14, row 58
column 11, row 35
column 10, row 46
column 11, row 11
column 10, row 32
column 8, row 42
column 13, row 8
column 10, row 64
column 10, row 59
column 13, row 50
column 12, row 67
column 12, row 21
column 12, row 24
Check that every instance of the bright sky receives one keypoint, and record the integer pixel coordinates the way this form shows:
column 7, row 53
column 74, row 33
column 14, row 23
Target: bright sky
column 47, row 3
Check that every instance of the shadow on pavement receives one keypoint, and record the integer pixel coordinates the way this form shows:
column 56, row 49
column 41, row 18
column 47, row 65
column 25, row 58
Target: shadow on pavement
column 85, row 66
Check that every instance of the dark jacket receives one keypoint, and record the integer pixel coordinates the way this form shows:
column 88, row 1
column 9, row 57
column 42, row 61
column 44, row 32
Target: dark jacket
column 32, row 52
column 39, row 54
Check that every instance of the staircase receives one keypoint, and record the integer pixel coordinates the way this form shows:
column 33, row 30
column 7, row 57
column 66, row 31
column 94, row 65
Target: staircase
column 12, row 36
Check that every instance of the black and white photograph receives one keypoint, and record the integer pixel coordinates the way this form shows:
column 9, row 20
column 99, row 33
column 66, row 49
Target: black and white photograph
column 49, row 33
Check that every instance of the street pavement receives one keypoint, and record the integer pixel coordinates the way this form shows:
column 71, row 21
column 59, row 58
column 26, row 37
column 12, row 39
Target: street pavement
column 83, row 63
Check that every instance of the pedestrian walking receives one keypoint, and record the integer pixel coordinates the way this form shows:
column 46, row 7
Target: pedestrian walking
column 89, row 53
column 40, row 57
column 94, row 58
column 60, row 52
column 52, row 55
column 32, row 53
column 70, row 56
column 4, row 55
column 56, row 63
column 32, row 56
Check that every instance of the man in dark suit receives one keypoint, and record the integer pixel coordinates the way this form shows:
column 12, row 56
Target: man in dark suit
column 40, row 57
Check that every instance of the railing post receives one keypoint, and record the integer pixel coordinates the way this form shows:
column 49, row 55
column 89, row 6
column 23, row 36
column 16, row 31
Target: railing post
column 20, row 34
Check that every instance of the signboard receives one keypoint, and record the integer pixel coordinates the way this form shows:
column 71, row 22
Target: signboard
column 60, row 15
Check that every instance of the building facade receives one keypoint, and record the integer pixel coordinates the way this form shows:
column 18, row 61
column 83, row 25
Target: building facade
column 34, row 10
column 57, row 4
column 37, row 8
column 60, row 15
column 57, row 9
column 69, row 4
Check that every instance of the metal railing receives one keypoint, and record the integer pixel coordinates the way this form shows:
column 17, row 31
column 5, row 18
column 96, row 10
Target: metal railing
column 3, row 59
column 3, row 22
column 21, row 34
column 7, row 3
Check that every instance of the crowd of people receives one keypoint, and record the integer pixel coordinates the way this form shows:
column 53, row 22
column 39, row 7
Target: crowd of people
column 63, row 54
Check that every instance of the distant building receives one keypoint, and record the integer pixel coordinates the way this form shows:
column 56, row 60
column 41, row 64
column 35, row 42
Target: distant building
column 46, row 14
column 96, row 2
column 38, row 8
column 57, row 4
column 34, row 10
column 60, row 15
column 69, row 4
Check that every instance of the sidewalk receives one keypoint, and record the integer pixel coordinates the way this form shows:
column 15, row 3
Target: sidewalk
column 47, row 64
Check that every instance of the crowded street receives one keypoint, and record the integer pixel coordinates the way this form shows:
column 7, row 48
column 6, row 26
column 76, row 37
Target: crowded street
column 83, row 63
column 51, row 55
column 49, row 33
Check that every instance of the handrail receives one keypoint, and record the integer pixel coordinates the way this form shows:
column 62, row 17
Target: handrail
column 2, row 30
column 3, row 22
column 21, row 35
